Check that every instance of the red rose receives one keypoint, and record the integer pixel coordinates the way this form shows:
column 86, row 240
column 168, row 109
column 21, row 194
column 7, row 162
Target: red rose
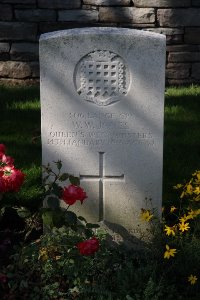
column 3, row 278
column 88, row 247
column 2, row 150
column 13, row 179
column 72, row 193
column 7, row 160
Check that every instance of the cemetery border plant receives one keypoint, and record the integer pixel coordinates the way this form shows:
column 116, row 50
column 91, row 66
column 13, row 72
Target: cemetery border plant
column 72, row 260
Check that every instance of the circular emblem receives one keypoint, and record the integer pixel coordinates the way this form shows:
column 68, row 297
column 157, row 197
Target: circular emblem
column 101, row 77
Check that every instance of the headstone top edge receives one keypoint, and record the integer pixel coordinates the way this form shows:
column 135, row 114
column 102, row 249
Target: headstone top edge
column 100, row 30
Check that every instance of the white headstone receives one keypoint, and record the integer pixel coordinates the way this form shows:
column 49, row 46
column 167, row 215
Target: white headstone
column 102, row 98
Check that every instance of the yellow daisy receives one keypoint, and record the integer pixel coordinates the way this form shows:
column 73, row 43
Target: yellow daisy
column 192, row 279
column 170, row 230
column 169, row 252
column 146, row 215
column 183, row 226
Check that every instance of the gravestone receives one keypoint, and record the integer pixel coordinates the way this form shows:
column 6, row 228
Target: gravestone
column 102, row 102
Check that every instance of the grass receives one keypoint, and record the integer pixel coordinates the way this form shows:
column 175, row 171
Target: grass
column 20, row 131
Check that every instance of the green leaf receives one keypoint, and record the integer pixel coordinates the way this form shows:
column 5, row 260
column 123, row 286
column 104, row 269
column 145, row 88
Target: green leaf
column 70, row 217
column 23, row 212
column 56, row 189
column 90, row 225
column 82, row 219
column 58, row 164
column 63, row 177
column 74, row 180
column 47, row 218
column 53, row 202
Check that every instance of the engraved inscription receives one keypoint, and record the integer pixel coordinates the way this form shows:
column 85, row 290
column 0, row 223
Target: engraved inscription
column 102, row 77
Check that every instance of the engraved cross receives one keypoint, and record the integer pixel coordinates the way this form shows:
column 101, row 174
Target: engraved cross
column 101, row 178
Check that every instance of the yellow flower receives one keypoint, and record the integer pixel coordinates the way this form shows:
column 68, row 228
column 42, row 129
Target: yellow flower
column 170, row 230
column 192, row 279
column 43, row 254
column 184, row 218
column 183, row 226
column 197, row 190
column 191, row 214
column 172, row 209
column 178, row 186
column 189, row 189
column 146, row 215
column 169, row 252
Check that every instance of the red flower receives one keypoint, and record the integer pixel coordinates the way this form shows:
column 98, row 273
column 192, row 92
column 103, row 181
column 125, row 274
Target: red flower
column 2, row 150
column 72, row 193
column 3, row 278
column 88, row 247
column 13, row 179
column 7, row 160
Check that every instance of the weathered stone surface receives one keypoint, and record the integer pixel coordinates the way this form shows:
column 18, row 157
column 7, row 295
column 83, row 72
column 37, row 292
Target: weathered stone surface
column 192, row 35
column 179, row 17
column 14, row 69
column 19, row 1
column 31, row 15
column 174, row 39
column 182, row 48
column 167, row 31
column 196, row 70
column 195, row 3
column 35, row 69
column 177, row 82
column 178, row 72
column 102, row 125
column 78, row 15
column 65, row 4
column 18, row 31
column 19, row 82
column 126, row 15
column 4, row 47
column 184, row 56
column 24, row 51
column 5, row 12
column 108, row 2
column 162, row 3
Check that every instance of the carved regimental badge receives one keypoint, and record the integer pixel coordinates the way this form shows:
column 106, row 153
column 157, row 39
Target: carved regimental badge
column 102, row 77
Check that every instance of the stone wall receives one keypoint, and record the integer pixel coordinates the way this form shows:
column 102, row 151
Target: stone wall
column 22, row 22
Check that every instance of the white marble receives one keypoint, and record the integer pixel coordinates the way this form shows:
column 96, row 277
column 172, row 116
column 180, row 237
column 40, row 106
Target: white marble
column 102, row 101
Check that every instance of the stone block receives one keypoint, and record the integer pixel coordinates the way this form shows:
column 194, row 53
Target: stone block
column 179, row 17
column 126, row 15
column 19, row 1
column 196, row 70
column 192, row 35
column 106, row 125
column 24, row 51
column 14, row 69
column 35, row 69
column 178, row 71
column 184, row 56
column 4, row 47
column 18, row 31
column 5, row 12
column 162, row 3
column 180, row 82
column 78, row 15
column 108, row 2
column 182, row 48
column 65, row 4
column 196, row 3
column 35, row 15
column 174, row 39
column 167, row 31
